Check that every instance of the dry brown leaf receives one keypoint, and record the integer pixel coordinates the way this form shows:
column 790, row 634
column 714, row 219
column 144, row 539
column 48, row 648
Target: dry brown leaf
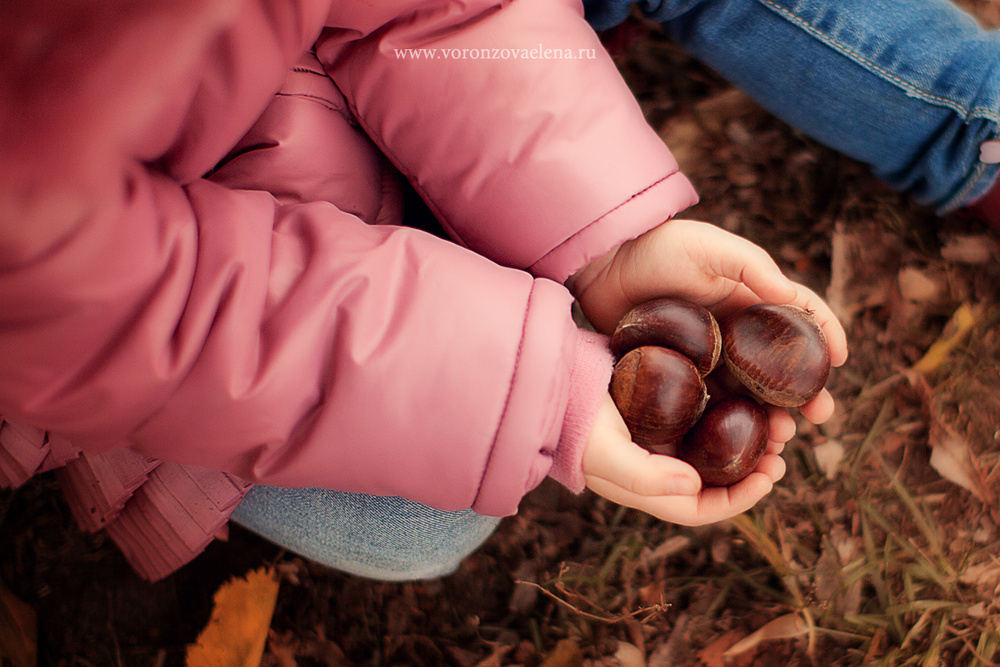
column 952, row 458
column 789, row 626
column 18, row 631
column 918, row 285
column 282, row 649
column 676, row 651
column 720, row 109
column 986, row 575
column 629, row 655
column 237, row 630
column 842, row 248
column 828, row 455
column 669, row 547
column 495, row 659
column 829, row 586
column 686, row 139
column 975, row 249
column 566, row 654
column 714, row 654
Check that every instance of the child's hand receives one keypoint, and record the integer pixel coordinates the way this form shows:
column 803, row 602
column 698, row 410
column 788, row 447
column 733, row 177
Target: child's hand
column 704, row 264
column 666, row 487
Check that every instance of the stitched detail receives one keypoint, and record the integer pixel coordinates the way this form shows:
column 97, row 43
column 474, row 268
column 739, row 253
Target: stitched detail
column 510, row 392
column 962, row 198
column 604, row 215
column 889, row 76
column 316, row 98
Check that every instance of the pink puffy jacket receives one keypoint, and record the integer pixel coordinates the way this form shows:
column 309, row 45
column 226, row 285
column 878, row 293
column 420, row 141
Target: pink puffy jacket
column 203, row 280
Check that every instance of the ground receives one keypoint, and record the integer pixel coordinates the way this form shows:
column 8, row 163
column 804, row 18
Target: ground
column 879, row 547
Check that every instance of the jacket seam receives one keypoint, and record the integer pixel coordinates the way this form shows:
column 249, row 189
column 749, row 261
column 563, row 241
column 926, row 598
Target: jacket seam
column 316, row 98
column 507, row 399
column 605, row 215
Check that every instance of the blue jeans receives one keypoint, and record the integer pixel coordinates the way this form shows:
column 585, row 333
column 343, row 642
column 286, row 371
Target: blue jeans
column 910, row 87
column 385, row 538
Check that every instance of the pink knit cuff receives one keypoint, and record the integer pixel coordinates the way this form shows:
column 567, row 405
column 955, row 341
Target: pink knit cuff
column 588, row 383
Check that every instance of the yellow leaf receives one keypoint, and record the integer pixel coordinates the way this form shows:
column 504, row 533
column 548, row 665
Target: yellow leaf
column 237, row 631
column 954, row 332
column 567, row 653
column 18, row 630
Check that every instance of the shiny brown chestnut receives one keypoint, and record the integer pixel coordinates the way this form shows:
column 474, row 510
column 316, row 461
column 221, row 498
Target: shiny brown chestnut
column 778, row 351
column 672, row 323
column 660, row 395
column 728, row 441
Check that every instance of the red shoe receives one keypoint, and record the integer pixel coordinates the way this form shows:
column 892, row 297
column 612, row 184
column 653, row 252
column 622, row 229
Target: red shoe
column 987, row 207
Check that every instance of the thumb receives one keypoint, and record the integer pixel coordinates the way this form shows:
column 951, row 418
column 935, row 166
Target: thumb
column 611, row 456
column 638, row 471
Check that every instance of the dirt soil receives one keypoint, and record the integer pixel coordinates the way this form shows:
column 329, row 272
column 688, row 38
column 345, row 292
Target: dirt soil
column 879, row 546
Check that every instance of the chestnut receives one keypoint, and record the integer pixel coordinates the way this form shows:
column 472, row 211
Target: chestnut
column 728, row 441
column 673, row 323
column 660, row 395
column 778, row 351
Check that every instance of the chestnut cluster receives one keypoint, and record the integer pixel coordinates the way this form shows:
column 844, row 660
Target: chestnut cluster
column 678, row 399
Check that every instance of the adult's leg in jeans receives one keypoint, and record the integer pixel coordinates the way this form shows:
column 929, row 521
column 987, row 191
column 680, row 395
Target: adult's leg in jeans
column 385, row 538
column 911, row 87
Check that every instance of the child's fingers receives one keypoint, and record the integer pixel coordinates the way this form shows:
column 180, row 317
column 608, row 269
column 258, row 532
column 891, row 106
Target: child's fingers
column 611, row 456
column 710, row 506
column 819, row 409
column 720, row 503
column 773, row 466
column 638, row 471
column 836, row 337
column 781, row 424
column 750, row 265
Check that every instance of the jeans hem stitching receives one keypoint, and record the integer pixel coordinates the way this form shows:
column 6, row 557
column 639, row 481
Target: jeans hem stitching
column 889, row 76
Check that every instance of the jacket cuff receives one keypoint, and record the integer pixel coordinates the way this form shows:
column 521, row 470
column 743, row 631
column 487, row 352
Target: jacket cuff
column 648, row 208
column 588, row 383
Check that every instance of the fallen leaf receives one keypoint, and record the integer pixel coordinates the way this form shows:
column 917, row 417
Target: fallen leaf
column 676, row 651
column 237, row 630
column 495, row 659
column 713, row 655
column 977, row 610
column 828, row 456
column 720, row 109
column 687, row 140
column 830, row 587
column 952, row 458
column 954, row 332
column 670, row 547
column 18, row 632
column 985, row 575
column 973, row 249
column 918, row 286
column 789, row 626
column 566, row 654
column 841, row 275
column 629, row 655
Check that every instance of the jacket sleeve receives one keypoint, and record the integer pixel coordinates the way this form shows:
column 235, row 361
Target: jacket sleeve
column 289, row 344
column 292, row 345
column 515, row 125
